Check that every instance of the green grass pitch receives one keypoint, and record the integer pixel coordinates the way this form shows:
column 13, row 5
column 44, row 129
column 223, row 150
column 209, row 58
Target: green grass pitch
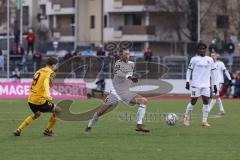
column 114, row 137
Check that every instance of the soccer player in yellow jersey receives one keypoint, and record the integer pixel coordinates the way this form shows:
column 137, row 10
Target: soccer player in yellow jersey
column 40, row 98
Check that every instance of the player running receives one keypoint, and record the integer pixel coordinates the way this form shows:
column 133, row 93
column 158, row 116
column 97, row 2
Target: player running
column 123, row 76
column 201, row 69
column 40, row 99
column 220, row 70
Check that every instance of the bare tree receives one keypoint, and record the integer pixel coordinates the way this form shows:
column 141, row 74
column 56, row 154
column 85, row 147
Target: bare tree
column 187, row 8
column 3, row 11
column 234, row 13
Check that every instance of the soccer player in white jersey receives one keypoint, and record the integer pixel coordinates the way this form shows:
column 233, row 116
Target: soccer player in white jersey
column 201, row 69
column 123, row 76
column 220, row 71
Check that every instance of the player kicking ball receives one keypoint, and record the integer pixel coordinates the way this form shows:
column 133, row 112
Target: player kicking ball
column 201, row 69
column 220, row 71
column 123, row 76
column 39, row 99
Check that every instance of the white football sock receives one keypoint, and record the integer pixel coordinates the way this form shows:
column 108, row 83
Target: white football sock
column 189, row 109
column 205, row 112
column 212, row 103
column 93, row 120
column 220, row 105
column 141, row 113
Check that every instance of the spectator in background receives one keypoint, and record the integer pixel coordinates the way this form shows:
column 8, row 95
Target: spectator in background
column 16, row 55
column 24, row 64
column 100, row 86
column 17, row 37
column 77, row 52
column 16, row 74
column 31, row 38
column 148, row 55
column 88, row 52
column 107, row 61
column 237, row 86
column 37, row 60
column 101, row 52
column 1, row 61
column 230, row 48
column 213, row 48
column 67, row 56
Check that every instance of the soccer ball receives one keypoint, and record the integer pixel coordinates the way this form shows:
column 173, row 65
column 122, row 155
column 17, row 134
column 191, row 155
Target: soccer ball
column 171, row 119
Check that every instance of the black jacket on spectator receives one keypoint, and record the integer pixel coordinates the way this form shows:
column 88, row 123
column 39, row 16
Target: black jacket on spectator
column 101, row 52
column 230, row 47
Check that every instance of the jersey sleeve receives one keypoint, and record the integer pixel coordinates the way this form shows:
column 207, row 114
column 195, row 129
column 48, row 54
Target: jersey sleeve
column 47, row 87
column 190, row 69
column 191, row 64
column 213, row 73
column 225, row 71
column 223, row 67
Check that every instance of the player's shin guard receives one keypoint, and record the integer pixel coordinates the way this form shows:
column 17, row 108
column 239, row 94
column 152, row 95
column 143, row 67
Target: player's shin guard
column 220, row 105
column 189, row 110
column 25, row 123
column 93, row 120
column 51, row 123
column 141, row 113
column 212, row 103
column 205, row 113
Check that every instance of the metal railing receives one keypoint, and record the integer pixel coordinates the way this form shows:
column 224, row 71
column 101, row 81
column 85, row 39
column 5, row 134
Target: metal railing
column 168, row 67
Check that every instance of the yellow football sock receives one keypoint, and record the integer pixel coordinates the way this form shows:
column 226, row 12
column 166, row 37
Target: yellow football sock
column 51, row 123
column 25, row 123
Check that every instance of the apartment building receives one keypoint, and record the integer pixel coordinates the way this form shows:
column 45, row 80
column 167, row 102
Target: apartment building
column 145, row 24
column 29, row 15
column 73, row 21
column 90, row 22
column 59, row 18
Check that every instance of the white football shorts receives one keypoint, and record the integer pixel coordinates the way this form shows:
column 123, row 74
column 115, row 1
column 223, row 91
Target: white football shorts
column 197, row 92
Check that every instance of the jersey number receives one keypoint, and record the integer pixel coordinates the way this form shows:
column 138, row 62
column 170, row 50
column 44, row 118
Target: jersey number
column 117, row 67
column 35, row 78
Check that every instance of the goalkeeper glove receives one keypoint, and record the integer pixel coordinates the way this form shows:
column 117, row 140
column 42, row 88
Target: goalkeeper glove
column 187, row 85
column 215, row 89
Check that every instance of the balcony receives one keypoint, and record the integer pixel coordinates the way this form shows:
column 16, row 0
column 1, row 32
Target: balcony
column 57, row 7
column 138, row 30
column 64, row 34
column 42, row 2
column 129, row 5
column 137, row 2
column 126, row 6
column 64, row 4
column 133, row 33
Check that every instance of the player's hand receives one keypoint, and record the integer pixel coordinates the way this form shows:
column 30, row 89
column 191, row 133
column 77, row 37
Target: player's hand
column 187, row 85
column 215, row 89
column 133, row 78
column 230, row 83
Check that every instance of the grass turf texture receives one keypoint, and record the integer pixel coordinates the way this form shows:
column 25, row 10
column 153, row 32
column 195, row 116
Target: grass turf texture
column 114, row 138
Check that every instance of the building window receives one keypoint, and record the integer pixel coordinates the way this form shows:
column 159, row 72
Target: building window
column 92, row 22
column 133, row 19
column 105, row 21
column 137, row 47
column 73, row 24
